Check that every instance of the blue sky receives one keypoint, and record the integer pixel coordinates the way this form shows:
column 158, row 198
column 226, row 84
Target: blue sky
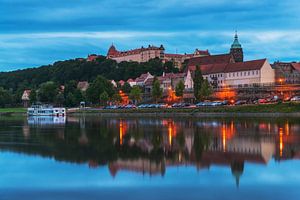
column 35, row 32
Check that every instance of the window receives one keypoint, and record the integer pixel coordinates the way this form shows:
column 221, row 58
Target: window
column 249, row 73
column 245, row 74
column 252, row 72
column 256, row 72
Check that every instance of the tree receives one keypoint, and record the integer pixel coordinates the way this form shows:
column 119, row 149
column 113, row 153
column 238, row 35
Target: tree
column 170, row 67
column 198, row 79
column 126, row 88
column 104, row 98
column 33, row 96
column 98, row 86
column 47, row 92
column 60, row 99
column 156, row 90
column 179, row 89
column 116, row 98
column 206, row 90
column 135, row 94
column 5, row 97
column 70, row 100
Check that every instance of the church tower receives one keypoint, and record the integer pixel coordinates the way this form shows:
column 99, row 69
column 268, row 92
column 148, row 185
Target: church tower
column 236, row 50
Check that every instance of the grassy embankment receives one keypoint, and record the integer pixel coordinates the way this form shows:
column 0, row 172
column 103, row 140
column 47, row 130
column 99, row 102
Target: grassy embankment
column 263, row 108
column 12, row 110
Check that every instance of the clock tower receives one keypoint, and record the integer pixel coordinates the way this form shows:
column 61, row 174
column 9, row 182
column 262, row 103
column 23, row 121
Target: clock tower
column 236, row 50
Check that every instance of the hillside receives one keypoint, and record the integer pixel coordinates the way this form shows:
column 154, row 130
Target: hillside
column 79, row 69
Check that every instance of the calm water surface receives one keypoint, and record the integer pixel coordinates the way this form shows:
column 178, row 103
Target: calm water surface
column 91, row 157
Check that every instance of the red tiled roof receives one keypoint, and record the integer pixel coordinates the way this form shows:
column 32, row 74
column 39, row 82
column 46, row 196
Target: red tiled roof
column 142, row 77
column 296, row 66
column 205, row 60
column 92, row 57
column 177, row 75
column 230, row 67
column 149, row 81
column 130, row 80
column 203, row 52
column 245, row 66
column 213, row 68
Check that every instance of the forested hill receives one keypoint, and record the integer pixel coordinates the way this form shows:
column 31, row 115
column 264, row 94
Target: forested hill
column 80, row 70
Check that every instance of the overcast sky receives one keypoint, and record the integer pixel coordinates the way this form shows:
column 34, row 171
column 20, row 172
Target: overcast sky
column 39, row 32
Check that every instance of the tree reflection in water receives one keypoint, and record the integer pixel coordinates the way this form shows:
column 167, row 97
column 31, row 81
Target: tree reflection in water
column 151, row 145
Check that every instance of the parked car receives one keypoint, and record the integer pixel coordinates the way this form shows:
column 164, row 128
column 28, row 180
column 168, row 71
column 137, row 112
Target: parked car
column 295, row 98
column 142, row 106
column 287, row 99
column 163, row 105
column 262, row 101
column 200, row 104
column 240, row 102
column 130, row 106
column 225, row 102
column 175, row 105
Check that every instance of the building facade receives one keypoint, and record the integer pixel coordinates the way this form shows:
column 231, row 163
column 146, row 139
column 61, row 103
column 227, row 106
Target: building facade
column 145, row 54
column 287, row 72
column 138, row 55
column 238, row 74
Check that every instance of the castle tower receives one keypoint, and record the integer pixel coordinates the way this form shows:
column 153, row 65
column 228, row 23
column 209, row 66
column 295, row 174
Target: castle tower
column 112, row 51
column 236, row 50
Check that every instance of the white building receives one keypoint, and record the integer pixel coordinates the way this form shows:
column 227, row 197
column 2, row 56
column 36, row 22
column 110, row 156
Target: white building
column 249, row 73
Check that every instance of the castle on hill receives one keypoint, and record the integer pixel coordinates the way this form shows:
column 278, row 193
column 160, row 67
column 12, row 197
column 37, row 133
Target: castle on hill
column 144, row 54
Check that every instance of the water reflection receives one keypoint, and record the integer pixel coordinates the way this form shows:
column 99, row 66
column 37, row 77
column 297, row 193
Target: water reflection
column 46, row 120
column 150, row 146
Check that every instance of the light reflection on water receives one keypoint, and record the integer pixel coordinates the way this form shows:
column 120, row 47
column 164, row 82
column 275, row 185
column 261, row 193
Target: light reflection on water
column 95, row 154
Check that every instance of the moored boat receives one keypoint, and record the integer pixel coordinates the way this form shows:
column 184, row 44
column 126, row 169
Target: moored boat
column 46, row 110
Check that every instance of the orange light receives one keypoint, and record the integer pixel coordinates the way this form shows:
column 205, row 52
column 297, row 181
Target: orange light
column 287, row 128
column 280, row 142
column 122, row 131
column 224, row 137
column 171, row 132
column 226, row 93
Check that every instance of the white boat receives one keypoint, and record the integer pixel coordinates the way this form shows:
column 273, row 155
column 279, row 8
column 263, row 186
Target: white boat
column 45, row 110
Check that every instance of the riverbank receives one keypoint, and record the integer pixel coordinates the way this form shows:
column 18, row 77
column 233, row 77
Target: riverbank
column 264, row 110
column 4, row 111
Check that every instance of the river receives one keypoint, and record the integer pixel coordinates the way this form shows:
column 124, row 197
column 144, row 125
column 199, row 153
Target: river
column 93, row 157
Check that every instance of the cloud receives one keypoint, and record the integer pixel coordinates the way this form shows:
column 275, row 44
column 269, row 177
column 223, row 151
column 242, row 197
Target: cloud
column 49, row 30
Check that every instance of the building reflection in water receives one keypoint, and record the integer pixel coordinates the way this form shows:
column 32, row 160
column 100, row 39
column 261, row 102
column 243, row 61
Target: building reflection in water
column 150, row 146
